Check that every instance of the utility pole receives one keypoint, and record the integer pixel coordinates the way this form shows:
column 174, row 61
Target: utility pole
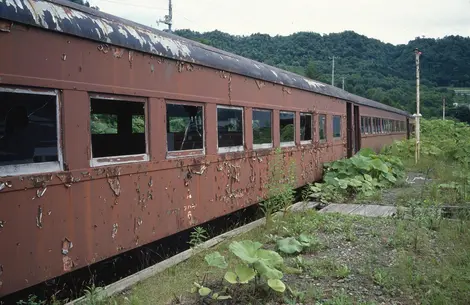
column 168, row 19
column 343, row 82
column 333, row 70
column 417, row 115
column 443, row 108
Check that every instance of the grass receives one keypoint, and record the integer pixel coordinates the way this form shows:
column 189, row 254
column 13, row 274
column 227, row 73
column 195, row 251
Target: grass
column 389, row 261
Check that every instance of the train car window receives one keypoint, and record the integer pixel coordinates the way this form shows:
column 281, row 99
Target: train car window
column 336, row 126
column 118, row 130
column 305, row 127
column 262, row 129
column 29, row 137
column 363, row 130
column 322, row 127
column 382, row 125
column 229, row 129
column 287, row 128
column 184, row 127
column 369, row 123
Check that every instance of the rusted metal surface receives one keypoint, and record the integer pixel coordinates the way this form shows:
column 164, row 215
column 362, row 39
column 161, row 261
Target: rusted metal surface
column 58, row 222
column 68, row 18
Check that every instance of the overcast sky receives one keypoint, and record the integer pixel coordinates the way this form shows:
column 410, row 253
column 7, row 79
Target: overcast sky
column 394, row 21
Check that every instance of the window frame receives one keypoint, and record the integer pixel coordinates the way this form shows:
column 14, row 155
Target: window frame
column 289, row 143
column 325, row 128
column 39, row 167
column 333, row 126
column 190, row 152
column 230, row 149
column 115, row 160
column 305, row 142
column 263, row 145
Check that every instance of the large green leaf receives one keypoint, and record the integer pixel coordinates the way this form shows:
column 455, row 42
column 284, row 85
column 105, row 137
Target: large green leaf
column 276, row 285
column 289, row 245
column 266, row 271
column 245, row 273
column 304, row 239
column 361, row 162
column 214, row 259
column 270, row 258
column 246, row 250
column 379, row 165
column 230, row 277
column 204, row 291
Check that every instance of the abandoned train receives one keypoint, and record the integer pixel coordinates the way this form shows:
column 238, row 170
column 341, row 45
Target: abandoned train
column 114, row 135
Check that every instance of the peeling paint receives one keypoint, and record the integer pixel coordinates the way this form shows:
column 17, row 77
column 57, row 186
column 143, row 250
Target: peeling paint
column 115, row 230
column 67, row 263
column 41, row 191
column 113, row 180
column 5, row 184
column 67, row 245
column 2, row 224
column 39, row 218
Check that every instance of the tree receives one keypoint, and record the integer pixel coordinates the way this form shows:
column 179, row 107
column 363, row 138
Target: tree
column 311, row 71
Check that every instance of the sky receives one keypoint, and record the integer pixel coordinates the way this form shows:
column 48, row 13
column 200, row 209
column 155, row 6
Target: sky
column 392, row 21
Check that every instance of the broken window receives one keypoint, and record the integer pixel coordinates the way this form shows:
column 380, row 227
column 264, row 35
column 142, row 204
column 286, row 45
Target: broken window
column 117, row 128
column 337, row 126
column 28, row 131
column 262, row 128
column 184, row 127
column 287, row 128
column 305, row 127
column 230, row 128
column 322, row 127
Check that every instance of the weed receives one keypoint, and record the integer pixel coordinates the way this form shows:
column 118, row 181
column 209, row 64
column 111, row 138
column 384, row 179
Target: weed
column 198, row 236
column 280, row 187
column 380, row 277
column 32, row 300
column 342, row 271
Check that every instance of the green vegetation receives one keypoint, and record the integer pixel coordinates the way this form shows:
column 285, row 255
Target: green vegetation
column 371, row 68
column 364, row 174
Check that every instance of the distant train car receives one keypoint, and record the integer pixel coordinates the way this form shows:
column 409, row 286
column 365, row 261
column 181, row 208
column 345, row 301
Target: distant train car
column 114, row 135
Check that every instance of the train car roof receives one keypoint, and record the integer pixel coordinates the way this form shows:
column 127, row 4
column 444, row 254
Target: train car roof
column 73, row 19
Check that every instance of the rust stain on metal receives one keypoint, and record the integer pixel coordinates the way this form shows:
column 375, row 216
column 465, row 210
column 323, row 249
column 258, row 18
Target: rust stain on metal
column 2, row 224
column 67, row 245
column 286, row 90
column 64, row 57
column 112, row 175
column 103, row 48
column 131, row 58
column 118, row 52
column 67, row 263
column 39, row 218
column 201, row 170
column 260, row 84
column 41, row 191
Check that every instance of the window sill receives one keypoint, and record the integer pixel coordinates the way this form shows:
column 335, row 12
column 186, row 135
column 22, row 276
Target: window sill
column 306, row 142
column 262, row 146
column 103, row 161
column 185, row 153
column 30, row 168
column 287, row 144
column 231, row 149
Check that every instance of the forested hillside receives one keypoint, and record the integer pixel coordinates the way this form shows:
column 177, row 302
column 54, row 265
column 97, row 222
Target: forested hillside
column 371, row 68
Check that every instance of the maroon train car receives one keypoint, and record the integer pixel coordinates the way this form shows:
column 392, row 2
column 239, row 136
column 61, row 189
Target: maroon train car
column 114, row 135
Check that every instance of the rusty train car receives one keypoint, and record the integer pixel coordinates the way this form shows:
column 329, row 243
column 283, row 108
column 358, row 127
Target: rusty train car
column 114, row 135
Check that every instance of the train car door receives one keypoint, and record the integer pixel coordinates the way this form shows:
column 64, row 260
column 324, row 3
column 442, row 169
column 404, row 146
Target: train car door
column 353, row 129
